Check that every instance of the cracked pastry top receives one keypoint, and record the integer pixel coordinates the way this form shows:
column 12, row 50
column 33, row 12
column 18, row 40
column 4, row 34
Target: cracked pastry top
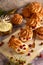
column 34, row 21
column 17, row 45
column 25, row 34
column 17, row 19
column 35, row 7
column 31, row 8
column 39, row 32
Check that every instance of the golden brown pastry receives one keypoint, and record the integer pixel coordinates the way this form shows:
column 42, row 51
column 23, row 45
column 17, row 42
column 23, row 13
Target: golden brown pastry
column 17, row 45
column 17, row 19
column 39, row 16
column 41, row 13
column 34, row 21
column 33, row 10
column 39, row 32
column 26, row 12
column 35, row 7
column 25, row 34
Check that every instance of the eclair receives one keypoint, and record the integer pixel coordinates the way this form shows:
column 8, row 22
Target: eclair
column 17, row 45
column 25, row 34
column 39, row 32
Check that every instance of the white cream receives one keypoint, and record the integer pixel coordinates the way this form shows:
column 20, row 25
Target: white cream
column 4, row 26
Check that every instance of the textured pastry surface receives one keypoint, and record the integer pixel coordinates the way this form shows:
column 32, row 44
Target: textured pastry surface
column 39, row 32
column 34, row 21
column 26, row 33
column 17, row 45
column 35, row 7
column 26, row 12
column 33, row 13
column 17, row 19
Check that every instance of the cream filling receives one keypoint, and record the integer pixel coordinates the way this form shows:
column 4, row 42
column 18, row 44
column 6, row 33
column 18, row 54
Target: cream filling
column 4, row 26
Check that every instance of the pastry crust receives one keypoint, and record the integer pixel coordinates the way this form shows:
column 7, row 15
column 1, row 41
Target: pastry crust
column 17, row 19
column 25, row 34
column 39, row 32
column 34, row 21
column 41, row 14
column 41, row 11
column 40, row 36
column 26, row 12
column 17, row 45
column 35, row 7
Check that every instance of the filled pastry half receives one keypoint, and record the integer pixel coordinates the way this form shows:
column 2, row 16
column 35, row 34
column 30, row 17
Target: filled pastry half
column 25, row 34
column 17, row 19
column 17, row 45
column 5, row 28
column 39, row 32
